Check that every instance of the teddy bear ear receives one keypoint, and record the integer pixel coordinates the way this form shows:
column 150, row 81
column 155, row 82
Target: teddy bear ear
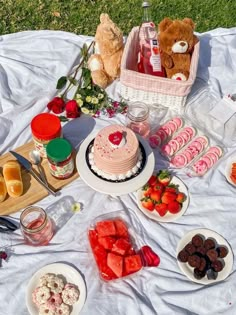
column 104, row 18
column 189, row 22
column 164, row 24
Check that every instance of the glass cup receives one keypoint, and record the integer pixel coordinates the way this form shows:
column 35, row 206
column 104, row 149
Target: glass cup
column 36, row 226
column 138, row 118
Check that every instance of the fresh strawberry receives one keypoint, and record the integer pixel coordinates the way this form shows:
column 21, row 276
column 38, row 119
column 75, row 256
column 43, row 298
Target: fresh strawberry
column 164, row 177
column 147, row 190
column 161, row 208
column 152, row 180
column 158, row 187
column 147, row 203
column 174, row 207
column 167, row 197
column 155, row 196
column 172, row 188
column 180, row 197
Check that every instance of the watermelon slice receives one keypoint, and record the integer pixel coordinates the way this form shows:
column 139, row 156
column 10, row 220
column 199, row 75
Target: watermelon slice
column 115, row 262
column 121, row 228
column 93, row 238
column 132, row 264
column 106, row 273
column 105, row 228
column 100, row 255
column 121, row 246
column 107, row 241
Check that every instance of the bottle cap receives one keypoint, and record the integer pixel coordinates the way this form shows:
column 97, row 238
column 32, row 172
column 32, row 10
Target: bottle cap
column 58, row 149
column 145, row 4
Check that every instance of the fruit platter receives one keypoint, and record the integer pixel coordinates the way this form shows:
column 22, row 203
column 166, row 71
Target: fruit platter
column 230, row 171
column 204, row 256
column 164, row 197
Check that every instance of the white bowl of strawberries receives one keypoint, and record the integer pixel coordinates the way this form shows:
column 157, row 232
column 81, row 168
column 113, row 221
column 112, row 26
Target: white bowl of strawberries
column 164, row 197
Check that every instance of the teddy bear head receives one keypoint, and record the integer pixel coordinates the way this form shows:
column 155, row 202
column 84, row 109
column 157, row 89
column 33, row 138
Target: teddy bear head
column 108, row 37
column 177, row 36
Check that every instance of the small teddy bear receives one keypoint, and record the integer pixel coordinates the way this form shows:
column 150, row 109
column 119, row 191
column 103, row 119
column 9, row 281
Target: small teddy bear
column 176, row 41
column 105, row 65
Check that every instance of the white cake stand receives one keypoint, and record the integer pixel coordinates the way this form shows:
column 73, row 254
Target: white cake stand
column 114, row 188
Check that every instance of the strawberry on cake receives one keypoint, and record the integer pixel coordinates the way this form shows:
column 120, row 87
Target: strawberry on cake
column 115, row 154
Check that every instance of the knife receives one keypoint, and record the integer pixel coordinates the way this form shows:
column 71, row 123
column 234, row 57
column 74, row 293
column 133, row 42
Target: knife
column 28, row 166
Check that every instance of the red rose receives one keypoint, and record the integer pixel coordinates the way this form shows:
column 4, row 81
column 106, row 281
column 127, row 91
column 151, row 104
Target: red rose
column 56, row 105
column 72, row 109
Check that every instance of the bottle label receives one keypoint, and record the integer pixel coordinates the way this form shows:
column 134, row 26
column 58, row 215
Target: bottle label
column 155, row 59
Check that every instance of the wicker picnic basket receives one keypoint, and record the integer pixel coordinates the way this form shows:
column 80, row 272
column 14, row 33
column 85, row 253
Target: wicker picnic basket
column 150, row 89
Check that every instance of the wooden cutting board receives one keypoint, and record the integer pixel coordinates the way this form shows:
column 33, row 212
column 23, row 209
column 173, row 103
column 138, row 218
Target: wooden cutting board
column 33, row 191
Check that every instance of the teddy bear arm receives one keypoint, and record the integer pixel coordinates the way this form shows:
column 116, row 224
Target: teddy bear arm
column 167, row 61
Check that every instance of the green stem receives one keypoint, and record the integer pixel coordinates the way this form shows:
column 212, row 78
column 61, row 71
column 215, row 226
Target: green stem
column 77, row 69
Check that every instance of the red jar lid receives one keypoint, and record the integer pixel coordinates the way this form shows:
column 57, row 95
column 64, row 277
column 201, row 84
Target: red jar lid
column 46, row 126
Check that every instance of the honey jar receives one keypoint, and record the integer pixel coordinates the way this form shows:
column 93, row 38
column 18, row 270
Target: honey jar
column 60, row 159
column 44, row 128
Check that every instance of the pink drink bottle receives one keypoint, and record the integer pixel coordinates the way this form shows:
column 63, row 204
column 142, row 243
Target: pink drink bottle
column 149, row 60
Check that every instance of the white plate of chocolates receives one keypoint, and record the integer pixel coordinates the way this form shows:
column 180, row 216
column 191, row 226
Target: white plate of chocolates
column 204, row 256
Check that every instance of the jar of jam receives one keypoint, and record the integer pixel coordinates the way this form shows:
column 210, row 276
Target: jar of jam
column 44, row 128
column 138, row 118
column 60, row 160
column 36, row 226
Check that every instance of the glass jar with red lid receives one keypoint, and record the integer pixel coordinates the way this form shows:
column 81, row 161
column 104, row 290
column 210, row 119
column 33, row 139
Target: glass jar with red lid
column 45, row 127
column 60, row 159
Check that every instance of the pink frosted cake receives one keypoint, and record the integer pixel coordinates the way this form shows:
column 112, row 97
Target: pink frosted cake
column 115, row 154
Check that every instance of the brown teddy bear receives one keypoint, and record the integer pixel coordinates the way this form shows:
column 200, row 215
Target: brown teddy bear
column 105, row 65
column 176, row 41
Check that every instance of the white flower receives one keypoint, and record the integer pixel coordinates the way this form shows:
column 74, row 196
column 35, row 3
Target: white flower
column 100, row 96
column 78, row 96
column 94, row 100
column 80, row 102
column 88, row 99
column 76, row 207
column 85, row 110
column 89, row 87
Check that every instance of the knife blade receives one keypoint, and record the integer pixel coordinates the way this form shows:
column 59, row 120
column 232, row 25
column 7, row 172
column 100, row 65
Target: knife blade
column 28, row 166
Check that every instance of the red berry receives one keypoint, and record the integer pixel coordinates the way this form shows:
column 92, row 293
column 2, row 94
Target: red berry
column 147, row 203
column 152, row 180
column 161, row 208
column 174, row 207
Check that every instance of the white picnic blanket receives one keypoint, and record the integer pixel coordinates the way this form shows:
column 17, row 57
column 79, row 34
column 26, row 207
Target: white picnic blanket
column 30, row 65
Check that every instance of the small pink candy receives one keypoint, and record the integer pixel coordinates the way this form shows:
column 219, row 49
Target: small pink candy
column 150, row 258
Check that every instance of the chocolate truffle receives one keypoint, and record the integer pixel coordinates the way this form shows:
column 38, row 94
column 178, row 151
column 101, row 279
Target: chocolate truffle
column 201, row 250
column 217, row 265
column 209, row 243
column 212, row 254
column 183, row 256
column 194, row 261
column 197, row 240
column 190, row 248
column 211, row 274
column 203, row 264
column 222, row 251
column 199, row 274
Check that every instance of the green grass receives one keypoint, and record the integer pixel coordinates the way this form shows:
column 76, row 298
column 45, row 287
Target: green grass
column 82, row 16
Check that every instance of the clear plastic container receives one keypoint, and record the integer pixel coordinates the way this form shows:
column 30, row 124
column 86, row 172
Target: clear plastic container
column 115, row 243
column 202, row 147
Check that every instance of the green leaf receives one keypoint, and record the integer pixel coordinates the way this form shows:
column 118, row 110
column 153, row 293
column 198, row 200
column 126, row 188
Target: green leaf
column 73, row 81
column 63, row 118
column 61, row 83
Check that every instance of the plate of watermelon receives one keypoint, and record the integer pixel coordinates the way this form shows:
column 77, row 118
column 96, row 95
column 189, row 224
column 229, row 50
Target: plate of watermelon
column 114, row 246
column 164, row 197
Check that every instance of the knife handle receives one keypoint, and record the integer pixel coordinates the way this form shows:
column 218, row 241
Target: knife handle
column 43, row 184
